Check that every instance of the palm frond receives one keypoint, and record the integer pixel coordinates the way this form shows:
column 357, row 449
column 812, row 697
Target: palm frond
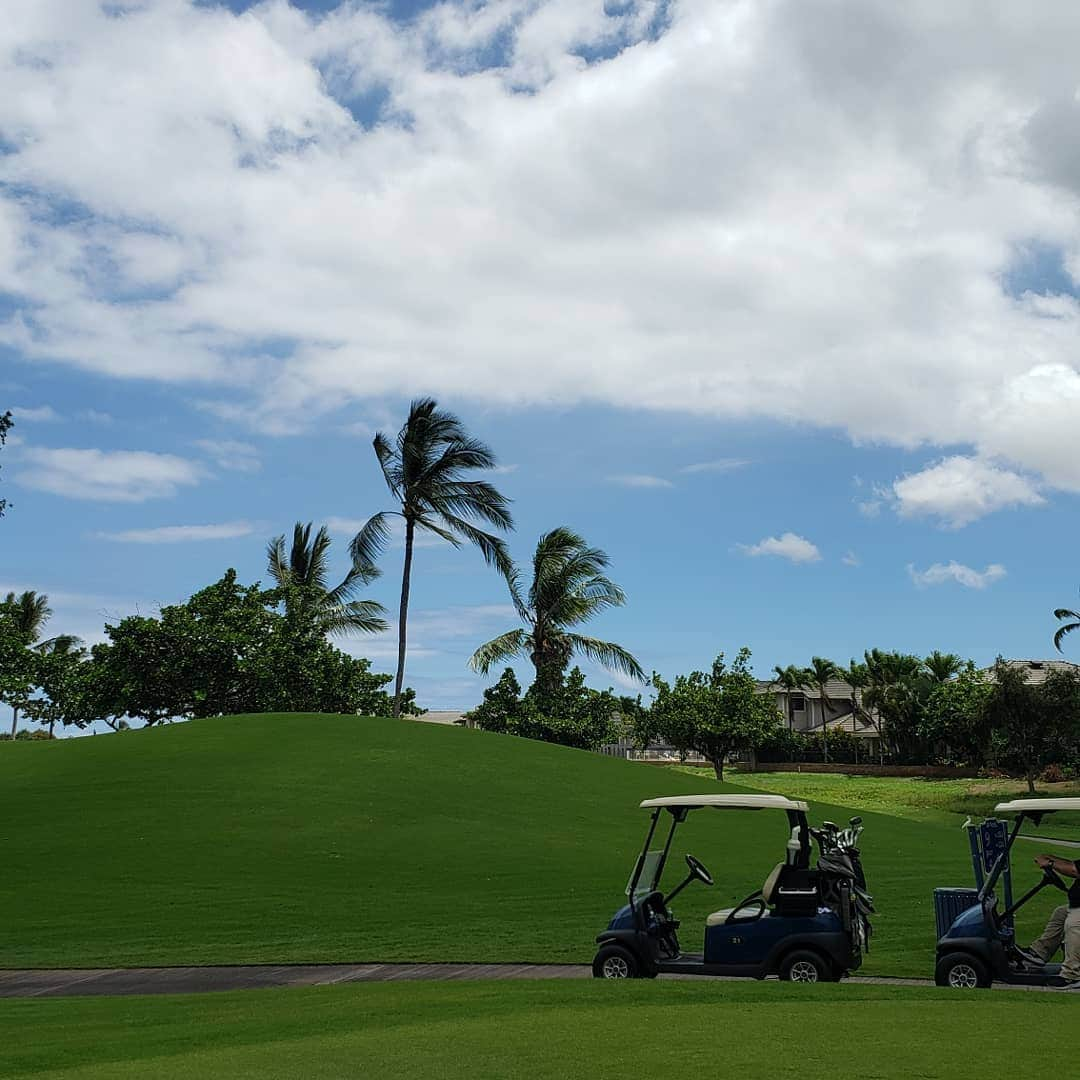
column 389, row 463
column 493, row 548
column 609, row 655
column 504, row 647
column 473, row 499
column 355, row 617
column 1065, row 630
column 276, row 561
column 367, row 545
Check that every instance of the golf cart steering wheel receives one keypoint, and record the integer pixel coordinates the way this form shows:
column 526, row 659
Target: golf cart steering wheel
column 698, row 870
column 1054, row 878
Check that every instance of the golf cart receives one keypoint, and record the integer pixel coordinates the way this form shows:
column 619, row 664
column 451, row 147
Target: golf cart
column 977, row 942
column 805, row 924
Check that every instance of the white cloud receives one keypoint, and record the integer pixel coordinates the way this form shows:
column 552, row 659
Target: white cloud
column 941, row 573
column 959, row 490
column 722, row 465
column 40, row 414
column 851, row 559
column 796, row 549
column 830, row 242
column 105, row 475
column 504, row 470
column 179, row 534
column 640, row 480
column 231, row 455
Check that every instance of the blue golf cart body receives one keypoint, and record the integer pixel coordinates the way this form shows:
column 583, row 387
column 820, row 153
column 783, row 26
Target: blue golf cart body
column 807, row 923
column 976, row 944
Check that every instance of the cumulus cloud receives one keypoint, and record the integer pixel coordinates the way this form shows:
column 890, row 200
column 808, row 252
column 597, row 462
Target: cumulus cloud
column 942, row 573
column 851, row 559
column 179, row 534
column 105, row 475
column 640, row 480
column 959, row 490
column 824, row 229
column 790, row 546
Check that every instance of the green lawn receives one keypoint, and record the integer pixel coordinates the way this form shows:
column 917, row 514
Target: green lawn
column 942, row 801
column 536, row 1029
column 299, row 838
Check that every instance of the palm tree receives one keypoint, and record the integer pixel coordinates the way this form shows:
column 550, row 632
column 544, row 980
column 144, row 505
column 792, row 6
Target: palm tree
column 816, row 677
column 29, row 612
column 789, row 679
column 942, row 666
column 1065, row 613
column 424, row 468
column 860, row 678
column 568, row 588
column 302, row 572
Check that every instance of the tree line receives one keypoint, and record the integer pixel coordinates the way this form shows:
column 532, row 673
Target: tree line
column 233, row 647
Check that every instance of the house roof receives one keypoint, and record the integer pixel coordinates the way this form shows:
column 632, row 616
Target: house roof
column 1037, row 670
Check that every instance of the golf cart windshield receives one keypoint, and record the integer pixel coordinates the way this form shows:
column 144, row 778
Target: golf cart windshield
column 651, row 863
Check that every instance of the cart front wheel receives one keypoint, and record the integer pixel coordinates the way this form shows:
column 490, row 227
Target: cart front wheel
column 616, row 962
column 962, row 971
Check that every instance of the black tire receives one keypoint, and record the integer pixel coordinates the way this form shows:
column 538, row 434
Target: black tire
column 806, row 966
column 616, row 962
column 962, row 971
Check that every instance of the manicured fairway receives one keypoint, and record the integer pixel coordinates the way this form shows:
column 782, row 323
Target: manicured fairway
column 296, row 838
column 474, row 1031
column 941, row 801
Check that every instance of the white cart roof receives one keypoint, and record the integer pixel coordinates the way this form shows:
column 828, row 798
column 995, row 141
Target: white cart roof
column 1043, row 806
column 741, row 802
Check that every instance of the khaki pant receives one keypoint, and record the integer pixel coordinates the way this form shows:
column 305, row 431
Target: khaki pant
column 1063, row 927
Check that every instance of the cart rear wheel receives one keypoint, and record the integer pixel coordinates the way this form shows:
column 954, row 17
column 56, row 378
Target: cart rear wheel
column 962, row 971
column 804, row 966
column 616, row 962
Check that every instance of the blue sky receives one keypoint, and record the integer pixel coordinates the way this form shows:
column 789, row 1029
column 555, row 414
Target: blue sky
column 795, row 343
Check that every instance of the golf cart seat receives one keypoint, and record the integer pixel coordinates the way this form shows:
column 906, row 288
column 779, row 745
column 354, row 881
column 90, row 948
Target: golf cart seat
column 753, row 907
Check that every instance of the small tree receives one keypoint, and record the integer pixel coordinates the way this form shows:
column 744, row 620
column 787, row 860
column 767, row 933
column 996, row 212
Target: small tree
column 711, row 714
column 501, row 707
column 17, row 662
column 955, row 723
column 58, row 679
column 570, row 713
column 1028, row 731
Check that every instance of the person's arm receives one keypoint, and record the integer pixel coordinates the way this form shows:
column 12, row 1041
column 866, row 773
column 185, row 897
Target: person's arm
column 1065, row 867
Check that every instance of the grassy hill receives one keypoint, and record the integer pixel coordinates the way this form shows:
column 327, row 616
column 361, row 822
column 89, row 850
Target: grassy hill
column 330, row 838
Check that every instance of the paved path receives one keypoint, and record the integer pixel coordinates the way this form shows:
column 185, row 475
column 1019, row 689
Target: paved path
column 185, row 980
column 113, row 982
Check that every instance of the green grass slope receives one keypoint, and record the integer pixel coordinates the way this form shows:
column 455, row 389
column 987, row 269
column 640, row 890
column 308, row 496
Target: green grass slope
column 544, row 1031
column 287, row 838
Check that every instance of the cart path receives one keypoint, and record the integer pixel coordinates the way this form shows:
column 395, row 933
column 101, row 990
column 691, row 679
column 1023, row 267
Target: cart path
column 113, row 982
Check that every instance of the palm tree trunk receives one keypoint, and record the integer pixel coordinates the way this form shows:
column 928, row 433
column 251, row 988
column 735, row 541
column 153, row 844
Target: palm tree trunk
column 403, row 614
column 14, row 720
column 52, row 724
